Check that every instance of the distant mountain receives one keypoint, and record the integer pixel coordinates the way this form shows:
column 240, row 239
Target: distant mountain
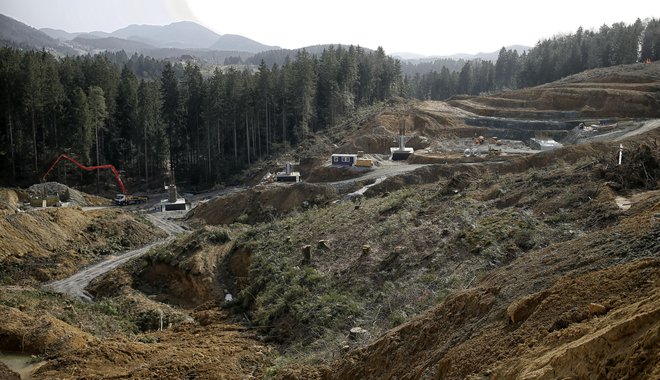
column 178, row 39
column 408, row 55
column 492, row 56
column 234, row 42
column 184, row 34
column 112, row 44
column 15, row 33
column 59, row 34
column 179, row 35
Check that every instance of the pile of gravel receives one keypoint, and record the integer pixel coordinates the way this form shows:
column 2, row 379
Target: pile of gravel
column 50, row 188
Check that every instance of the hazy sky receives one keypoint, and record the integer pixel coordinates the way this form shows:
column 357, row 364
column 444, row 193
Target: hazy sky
column 424, row 27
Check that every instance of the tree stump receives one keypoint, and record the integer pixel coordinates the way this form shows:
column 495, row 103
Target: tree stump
column 306, row 254
column 366, row 249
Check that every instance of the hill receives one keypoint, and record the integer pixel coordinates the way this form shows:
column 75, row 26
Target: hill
column 112, row 44
column 59, row 34
column 234, row 42
column 162, row 42
column 184, row 34
column 486, row 56
column 15, row 33
column 617, row 91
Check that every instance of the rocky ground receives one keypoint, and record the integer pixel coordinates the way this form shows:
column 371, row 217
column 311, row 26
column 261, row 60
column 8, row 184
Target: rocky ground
column 505, row 265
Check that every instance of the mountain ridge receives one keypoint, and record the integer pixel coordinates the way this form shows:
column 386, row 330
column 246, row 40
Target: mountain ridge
column 17, row 34
column 182, row 35
column 486, row 56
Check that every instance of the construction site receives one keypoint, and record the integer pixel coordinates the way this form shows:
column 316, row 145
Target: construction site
column 511, row 235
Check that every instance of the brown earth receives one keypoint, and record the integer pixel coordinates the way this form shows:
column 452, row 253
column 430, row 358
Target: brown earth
column 8, row 374
column 11, row 199
column 46, row 244
column 38, row 334
column 259, row 204
column 212, row 350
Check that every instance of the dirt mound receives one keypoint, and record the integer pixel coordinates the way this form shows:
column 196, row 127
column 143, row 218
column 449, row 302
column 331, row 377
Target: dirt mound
column 8, row 374
column 259, row 204
column 44, row 334
column 67, row 194
column 45, row 244
column 224, row 352
column 423, row 121
column 10, row 200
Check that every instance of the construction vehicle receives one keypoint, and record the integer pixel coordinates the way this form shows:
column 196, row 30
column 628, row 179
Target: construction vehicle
column 125, row 200
column 364, row 162
column 121, row 199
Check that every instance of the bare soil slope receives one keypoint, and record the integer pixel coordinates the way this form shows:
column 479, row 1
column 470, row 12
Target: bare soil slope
column 51, row 243
column 259, row 204
column 211, row 350
column 620, row 91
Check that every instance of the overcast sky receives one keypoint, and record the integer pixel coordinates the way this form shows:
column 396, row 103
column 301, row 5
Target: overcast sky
column 425, row 27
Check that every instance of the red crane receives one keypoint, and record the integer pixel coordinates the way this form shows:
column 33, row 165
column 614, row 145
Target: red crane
column 88, row 168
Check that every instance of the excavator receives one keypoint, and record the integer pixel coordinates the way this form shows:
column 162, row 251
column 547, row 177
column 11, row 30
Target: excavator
column 122, row 199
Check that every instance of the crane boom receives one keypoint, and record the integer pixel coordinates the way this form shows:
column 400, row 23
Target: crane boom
column 88, row 168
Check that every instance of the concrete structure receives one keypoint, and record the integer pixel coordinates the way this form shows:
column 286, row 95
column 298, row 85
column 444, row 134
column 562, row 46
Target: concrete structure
column 173, row 201
column 179, row 204
column 401, row 152
column 288, row 175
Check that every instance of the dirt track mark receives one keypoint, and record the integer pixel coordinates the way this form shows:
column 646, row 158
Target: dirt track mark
column 75, row 285
column 648, row 126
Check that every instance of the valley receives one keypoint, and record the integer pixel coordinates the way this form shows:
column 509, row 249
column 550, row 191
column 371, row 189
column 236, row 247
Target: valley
column 507, row 262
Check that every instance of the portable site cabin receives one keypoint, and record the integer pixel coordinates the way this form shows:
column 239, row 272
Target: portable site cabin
column 344, row 159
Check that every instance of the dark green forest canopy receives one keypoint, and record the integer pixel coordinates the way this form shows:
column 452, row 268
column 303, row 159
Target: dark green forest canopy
column 145, row 115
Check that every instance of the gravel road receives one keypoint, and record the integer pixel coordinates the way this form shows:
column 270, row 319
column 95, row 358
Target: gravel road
column 75, row 285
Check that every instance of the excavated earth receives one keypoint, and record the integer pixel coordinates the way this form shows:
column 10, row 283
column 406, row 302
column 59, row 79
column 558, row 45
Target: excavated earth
column 502, row 266
column 46, row 244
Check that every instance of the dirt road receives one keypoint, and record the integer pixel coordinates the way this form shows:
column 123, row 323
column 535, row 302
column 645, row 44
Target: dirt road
column 75, row 285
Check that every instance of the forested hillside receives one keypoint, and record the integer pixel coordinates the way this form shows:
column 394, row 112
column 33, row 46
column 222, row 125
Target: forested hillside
column 549, row 60
column 206, row 127
column 145, row 116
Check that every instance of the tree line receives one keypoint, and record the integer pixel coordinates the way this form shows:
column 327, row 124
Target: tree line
column 111, row 108
column 551, row 59
column 148, row 117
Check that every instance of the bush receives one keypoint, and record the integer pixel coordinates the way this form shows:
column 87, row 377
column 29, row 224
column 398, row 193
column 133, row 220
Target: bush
column 219, row 236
